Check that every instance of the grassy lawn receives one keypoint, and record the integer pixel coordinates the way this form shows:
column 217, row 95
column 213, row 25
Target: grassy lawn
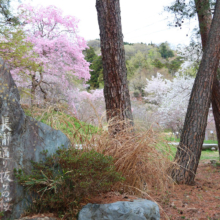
column 206, row 154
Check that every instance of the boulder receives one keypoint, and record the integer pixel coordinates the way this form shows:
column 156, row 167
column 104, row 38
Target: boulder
column 137, row 210
column 22, row 139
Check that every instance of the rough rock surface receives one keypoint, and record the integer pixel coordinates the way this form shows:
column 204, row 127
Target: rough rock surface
column 22, row 139
column 137, row 210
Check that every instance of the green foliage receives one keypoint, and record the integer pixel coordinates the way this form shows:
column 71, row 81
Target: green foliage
column 146, row 59
column 16, row 51
column 129, row 52
column 141, row 60
column 67, row 178
column 90, row 54
column 165, row 50
column 138, row 61
column 206, row 154
column 127, row 43
column 157, row 63
column 96, row 68
column 154, row 53
column 174, row 65
column 138, row 84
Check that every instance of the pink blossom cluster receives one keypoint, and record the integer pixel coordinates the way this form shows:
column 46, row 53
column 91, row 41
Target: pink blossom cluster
column 56, row 41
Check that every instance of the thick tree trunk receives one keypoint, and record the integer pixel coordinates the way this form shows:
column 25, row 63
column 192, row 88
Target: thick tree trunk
column 117, row 98
column 216, row 108
column 205, row 20
column 189, row 149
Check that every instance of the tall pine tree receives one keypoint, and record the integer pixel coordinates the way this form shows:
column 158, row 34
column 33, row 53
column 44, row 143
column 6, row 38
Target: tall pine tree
column 116, row 93
column 189, row 149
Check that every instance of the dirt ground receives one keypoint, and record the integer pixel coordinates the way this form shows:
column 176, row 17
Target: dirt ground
column 198, row 202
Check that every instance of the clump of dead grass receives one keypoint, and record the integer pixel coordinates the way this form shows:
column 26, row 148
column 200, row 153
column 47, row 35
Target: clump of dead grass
column 141, row 157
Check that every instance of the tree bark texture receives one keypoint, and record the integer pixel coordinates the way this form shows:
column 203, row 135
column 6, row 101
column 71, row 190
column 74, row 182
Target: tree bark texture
column 189, row 149
column 205, row 20
column 116, row 92
column 216, row 108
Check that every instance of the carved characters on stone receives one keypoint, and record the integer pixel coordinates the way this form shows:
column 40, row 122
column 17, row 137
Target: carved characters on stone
column 5, row 173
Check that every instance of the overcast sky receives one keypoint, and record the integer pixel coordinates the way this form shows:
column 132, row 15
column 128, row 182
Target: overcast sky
column 142, row 20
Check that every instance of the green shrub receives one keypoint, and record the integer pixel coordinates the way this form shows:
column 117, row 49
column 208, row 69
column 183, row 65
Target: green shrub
column 136, row 94
column 64, row 180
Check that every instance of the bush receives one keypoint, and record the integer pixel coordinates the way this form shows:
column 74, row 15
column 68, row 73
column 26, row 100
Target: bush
column 64, row 180
column 136, row 94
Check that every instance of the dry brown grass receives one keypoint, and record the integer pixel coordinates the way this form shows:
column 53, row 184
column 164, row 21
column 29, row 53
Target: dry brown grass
column 139, row 156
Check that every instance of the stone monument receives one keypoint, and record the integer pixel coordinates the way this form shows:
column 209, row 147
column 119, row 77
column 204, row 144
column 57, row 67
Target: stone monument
column 22, row 139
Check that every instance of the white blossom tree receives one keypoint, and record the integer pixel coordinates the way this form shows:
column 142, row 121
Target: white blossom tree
column 171, row 97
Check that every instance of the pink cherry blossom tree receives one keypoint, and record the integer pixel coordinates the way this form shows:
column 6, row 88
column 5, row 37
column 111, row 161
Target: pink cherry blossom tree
column 57, row 50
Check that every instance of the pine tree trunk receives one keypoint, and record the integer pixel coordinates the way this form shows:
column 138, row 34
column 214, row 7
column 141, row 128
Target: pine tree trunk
column 205, row 20
column 117, row 98
column 192, row 137
column 216, row 108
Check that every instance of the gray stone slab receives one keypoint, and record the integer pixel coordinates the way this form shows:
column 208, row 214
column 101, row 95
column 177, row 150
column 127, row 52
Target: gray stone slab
column 137, row 210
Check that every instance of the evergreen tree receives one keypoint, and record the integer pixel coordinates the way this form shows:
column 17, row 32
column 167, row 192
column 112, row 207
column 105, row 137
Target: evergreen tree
column 96, row 68
column 189, row 149
column 165, row 50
